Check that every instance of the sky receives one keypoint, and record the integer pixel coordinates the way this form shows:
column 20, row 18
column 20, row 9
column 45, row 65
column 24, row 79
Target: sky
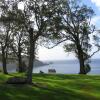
column 58, row 53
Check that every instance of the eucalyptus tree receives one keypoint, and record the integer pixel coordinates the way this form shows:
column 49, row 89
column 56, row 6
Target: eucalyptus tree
column 19, row 48
column 34, row 18
column 74, row 27
column 5, row 36
column 4, row 46
column 36, row 14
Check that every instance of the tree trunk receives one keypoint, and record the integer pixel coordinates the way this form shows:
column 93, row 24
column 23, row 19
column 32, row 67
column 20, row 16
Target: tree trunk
column 4, row 62
column 31, row 57
column 81, row 59
column 82, row 66
column 20, row 67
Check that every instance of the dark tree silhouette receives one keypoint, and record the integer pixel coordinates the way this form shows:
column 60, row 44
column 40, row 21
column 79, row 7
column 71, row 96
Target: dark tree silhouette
column 72, row 24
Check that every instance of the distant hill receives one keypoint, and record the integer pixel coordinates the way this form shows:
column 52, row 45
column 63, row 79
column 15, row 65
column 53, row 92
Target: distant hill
column 38, row 63
column 12, row 66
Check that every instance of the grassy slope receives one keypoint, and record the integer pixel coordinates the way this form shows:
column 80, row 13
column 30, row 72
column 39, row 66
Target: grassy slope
column 53, row 87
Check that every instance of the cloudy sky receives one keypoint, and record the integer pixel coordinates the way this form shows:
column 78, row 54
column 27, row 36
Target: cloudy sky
column 58, row 53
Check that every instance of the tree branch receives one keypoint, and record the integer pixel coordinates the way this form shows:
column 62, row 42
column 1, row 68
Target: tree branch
column 56, row 44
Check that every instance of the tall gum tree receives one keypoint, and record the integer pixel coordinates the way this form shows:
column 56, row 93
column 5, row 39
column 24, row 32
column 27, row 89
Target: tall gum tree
column 73, row 26
column 5, row 36
column 34, row 17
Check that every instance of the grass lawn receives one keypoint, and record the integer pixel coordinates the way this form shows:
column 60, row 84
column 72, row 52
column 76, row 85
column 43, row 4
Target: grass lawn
column 52, row 87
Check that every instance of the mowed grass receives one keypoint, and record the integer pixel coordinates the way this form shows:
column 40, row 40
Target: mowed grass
column 52, row 87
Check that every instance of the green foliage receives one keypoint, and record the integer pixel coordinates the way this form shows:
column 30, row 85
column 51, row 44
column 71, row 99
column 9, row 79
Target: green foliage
column 96, row 38
column 69, row 47
column 87, row 68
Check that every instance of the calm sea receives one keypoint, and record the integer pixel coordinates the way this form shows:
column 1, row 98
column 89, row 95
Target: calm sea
column 68, row 67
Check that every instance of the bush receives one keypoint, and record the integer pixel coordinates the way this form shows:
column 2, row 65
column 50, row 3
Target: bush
column 87, row 68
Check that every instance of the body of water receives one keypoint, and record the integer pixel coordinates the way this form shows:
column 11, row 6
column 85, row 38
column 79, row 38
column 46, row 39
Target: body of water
column 68, row 67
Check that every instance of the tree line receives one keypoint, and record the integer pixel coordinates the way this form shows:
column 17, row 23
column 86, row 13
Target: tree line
column 25, row 24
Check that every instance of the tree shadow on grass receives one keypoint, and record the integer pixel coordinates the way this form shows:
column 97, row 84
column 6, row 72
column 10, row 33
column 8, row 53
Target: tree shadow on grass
column 64, row 77
column 42, row 92
column 36, row 92
column 68, row 94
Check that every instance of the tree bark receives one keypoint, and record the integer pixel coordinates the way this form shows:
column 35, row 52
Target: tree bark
column 82, row 66
column 31, row 57
column 20, row 67
column 4, row 62
column 81, row 59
